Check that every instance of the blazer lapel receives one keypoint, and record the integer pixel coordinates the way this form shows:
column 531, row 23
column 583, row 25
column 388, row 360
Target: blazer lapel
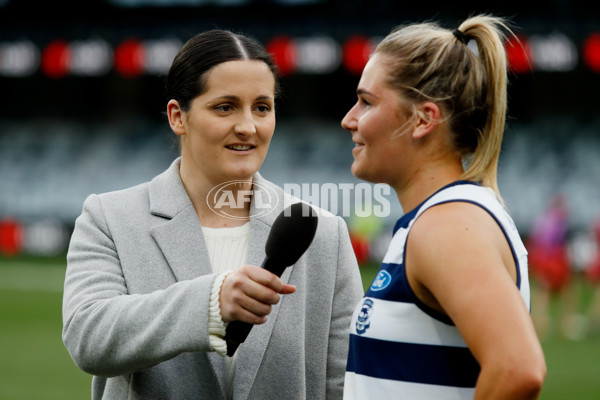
column 180, row 238
column 182, row 243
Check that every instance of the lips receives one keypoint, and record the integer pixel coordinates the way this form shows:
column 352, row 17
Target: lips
column 357, row 147
column 240, row 147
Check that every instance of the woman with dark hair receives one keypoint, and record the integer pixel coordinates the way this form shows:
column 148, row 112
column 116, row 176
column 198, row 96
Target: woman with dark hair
column 447, row 315
column 157, row 271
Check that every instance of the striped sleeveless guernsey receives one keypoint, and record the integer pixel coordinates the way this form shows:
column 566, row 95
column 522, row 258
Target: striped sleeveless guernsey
column 399, row 347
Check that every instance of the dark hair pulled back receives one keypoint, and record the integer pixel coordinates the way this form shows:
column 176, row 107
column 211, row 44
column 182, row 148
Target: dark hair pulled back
column 188, row 73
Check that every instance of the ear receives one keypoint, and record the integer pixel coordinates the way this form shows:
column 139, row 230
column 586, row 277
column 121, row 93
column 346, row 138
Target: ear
column 427, row 117
column 175, row 114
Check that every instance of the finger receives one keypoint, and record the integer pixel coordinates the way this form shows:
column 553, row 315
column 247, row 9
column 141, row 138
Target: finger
column 238, row 289
column 236, row 305
column 264, row 277
column 255, row 282
column 288, row 289
column 248, row 317
column 255, row 307
column 267, row 279
column 260, row 293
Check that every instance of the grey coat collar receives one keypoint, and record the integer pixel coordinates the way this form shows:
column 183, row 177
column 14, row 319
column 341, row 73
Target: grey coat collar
column 168, row 196
column 182, row 231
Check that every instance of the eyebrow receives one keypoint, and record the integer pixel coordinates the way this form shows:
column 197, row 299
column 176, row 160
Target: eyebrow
column 232, row 97
column 362, row 92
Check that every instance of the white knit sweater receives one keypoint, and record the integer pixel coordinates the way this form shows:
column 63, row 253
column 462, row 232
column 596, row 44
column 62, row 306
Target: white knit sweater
column 227, row 251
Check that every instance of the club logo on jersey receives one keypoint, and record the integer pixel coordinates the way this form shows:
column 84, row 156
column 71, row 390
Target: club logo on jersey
column 362, row 321
column 381, row 281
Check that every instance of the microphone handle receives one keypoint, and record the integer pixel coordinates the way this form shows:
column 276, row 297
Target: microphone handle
column 237, row 331
column 273, row 266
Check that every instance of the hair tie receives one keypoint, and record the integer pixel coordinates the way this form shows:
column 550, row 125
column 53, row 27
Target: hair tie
column 460, row 35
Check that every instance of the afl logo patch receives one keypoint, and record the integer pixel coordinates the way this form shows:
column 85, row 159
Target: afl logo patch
column 362, row 321
column 381, row 281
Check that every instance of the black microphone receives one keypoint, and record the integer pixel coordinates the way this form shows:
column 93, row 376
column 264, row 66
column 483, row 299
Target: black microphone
column 290, row 236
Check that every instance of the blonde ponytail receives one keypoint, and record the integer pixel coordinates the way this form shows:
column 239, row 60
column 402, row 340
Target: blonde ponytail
column 485, row 30
column 430, row 63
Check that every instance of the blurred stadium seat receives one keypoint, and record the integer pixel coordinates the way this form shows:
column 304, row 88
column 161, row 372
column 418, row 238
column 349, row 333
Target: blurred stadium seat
column 49, row 167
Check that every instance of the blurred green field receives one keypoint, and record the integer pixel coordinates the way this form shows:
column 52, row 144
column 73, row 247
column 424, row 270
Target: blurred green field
column 35, row 365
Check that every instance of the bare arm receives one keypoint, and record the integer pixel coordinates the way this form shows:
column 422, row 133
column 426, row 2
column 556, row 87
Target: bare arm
column 459, row 263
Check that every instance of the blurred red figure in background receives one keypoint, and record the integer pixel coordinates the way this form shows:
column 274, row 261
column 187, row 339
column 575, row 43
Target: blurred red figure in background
column 548, row 257
column 550, row 267
column 593, row 270
column 592, row 273
column 11, row 237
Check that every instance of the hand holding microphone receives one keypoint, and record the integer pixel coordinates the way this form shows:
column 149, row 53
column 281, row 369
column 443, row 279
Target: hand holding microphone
column 248, row 294
column 251, row 291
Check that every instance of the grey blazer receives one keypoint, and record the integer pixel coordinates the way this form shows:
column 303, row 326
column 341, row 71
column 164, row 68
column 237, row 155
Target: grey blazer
column 135, row 305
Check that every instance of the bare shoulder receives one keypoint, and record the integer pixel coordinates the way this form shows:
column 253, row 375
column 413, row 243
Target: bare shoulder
column 453, row 223
column 455, row 242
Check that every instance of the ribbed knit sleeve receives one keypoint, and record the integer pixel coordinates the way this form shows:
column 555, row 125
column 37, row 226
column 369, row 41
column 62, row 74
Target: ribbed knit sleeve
column 227, row 251
column 216, row 326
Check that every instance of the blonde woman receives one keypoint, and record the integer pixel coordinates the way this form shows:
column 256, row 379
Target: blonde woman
column 447, row 316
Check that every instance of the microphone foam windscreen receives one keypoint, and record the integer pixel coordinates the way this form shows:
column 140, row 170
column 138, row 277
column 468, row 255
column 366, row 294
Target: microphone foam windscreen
column 291, row 234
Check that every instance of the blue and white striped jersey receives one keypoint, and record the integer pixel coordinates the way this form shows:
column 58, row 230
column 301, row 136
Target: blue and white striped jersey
column 399, row 347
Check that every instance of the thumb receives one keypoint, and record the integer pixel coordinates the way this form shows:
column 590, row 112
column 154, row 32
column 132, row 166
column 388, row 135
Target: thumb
column 287, row 289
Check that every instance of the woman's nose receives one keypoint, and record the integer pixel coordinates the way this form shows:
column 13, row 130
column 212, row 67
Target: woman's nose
column 349, row 122
column 245, row 124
